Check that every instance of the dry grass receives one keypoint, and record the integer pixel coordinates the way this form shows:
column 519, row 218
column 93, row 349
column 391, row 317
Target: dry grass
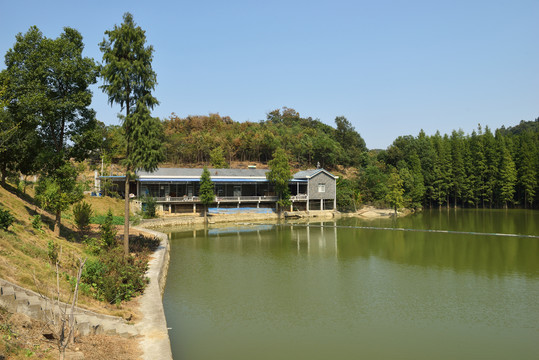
column 24, row 258
column 101, row 205
column 22, row 338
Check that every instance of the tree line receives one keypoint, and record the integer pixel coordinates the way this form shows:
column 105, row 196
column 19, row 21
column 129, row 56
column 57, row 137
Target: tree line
column 192, row 139
column 483, row 169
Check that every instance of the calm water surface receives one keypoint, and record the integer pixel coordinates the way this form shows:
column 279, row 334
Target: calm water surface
column 326, row 292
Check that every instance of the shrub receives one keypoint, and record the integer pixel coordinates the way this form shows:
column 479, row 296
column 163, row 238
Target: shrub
column 52, row 251
column 115, row 277
column 6, row 219
column 108, row 231
column 148, row 207
column 93, row 245
column 82, row 212
column 36, row 222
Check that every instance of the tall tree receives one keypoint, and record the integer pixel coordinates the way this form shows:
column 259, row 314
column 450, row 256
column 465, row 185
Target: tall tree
column 56, row 191
column 457, row 161
column 217, row 159
column 491, row 167
column 350, row 140
column 279, row 175
column 206, row 193
column 129, row 80
column 428, row 157
column 49, row 98
column 507, row 174
column 395, row 190
column 478, row 168
column 527, row 176
column 442, row 169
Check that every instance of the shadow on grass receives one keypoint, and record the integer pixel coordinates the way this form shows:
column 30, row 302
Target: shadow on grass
column 143, row 244
column 19, row 194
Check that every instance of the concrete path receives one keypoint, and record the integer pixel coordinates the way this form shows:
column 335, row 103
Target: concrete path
column 155, row 342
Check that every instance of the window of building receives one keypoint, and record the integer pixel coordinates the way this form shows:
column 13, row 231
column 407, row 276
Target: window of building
column 322, row 188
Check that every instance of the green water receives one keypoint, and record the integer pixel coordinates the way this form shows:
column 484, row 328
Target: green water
column 327, row 292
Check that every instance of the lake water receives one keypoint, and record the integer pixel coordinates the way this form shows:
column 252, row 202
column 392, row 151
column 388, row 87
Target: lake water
column 333, row 290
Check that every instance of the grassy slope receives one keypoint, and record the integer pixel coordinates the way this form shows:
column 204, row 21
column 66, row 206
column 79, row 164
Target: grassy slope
column 24, row 256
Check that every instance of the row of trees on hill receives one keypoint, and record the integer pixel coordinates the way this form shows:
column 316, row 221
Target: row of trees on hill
column 484, row 169
column 307, row 141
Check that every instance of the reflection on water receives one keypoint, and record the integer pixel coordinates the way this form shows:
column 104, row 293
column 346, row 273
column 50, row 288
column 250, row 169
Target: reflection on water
column 319, row 291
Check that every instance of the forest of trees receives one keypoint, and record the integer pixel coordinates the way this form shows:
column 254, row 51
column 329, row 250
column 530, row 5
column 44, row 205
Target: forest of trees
column 307, row 141
column 484, row 169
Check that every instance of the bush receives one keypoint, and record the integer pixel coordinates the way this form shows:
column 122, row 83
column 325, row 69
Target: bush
column 115, row 277
column 93, row 245
column 82, row 212
column 6, row 219
column 36, row 222
column 108, row 231
column 149, row 207
column 52, row 251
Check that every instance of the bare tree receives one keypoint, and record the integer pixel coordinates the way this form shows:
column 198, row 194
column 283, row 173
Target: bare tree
column 59, row 316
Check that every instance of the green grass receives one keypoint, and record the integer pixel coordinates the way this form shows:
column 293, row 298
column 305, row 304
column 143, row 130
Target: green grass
column 100, row 219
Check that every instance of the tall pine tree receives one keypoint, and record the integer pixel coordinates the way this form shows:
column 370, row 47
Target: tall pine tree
column 129, row 80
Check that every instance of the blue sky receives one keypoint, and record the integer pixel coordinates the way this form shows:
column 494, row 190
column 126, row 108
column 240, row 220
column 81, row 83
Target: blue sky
column 391, row 67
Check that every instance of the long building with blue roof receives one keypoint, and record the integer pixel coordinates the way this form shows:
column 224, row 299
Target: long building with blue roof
column 176, row 190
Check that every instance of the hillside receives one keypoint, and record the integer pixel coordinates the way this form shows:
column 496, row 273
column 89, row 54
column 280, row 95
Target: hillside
column 24, row 250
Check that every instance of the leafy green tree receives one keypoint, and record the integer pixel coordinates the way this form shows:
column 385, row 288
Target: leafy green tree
column 23, row 93
column 217, row 159
column 395, row 191
column 206, row 193
column 49, row 98
column 350, row 140
column 129, row 80
column 279, row 175
column 373, row 179
column 59, row 191
column 346, row 195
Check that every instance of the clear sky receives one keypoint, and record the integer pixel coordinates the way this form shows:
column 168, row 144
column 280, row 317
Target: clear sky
column 390, row 67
